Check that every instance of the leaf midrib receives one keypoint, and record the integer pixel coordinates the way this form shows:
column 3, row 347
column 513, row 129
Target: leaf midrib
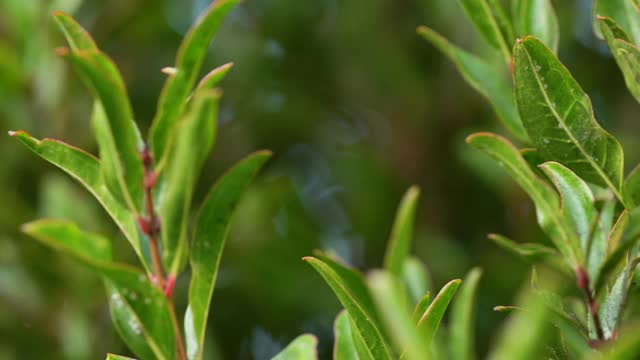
column 566, row 130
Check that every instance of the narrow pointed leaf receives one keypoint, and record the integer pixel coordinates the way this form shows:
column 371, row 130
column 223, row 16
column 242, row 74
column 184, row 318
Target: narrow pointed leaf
column 85, row 169
column 139, row 310
column 213, row 77
column 489, row 80
column 302, row 348
column 211, row 229
column 416, row 278
column 599, row 238
column 77, row 37
column 188, row 63
column 626, row 54
column 559, row 118
column 537, row 18
column 421, row 307
column 544, row 198
column 194, row 139
column 343, row 347
column 388, row 294
column 490, row 20
column 632, row 187
column 624, row 12
column 532, row 252
column 577, row 200
column 363, row 351
column 461, row 335
column 354, row 295
column 402, row 233
column 117, row 135
column 430, row 320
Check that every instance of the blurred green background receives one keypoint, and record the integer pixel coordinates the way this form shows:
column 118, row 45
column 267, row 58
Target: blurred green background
column 356, row 108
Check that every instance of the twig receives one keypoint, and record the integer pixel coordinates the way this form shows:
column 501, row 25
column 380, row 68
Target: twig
column 592, row 304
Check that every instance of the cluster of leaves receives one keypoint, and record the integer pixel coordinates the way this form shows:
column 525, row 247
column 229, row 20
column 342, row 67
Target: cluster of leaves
column 147, row 187
column 571, row 168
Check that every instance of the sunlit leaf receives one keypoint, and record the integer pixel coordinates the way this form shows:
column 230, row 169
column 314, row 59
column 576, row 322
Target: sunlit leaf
column 489, row 80
column 402, row 233
column 85, row 168
column 117, row 133
column 490, row 20
column 559, row 118
column 421, row 307
column 545, row 199
column 389, row 296
column 194, row 139
column 343, row 347
column 211, row 229
column 302, row 348
column 626, row 54
column 139, row 310
column 351, row 290
column 430, row 320
column 213, row 77
column 118, row 357
column 179, row 85
column 537, row 18
column 461, row 335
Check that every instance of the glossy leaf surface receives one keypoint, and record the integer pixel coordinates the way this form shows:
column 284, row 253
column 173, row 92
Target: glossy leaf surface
column 211, row 229
column 559, row 118
column 545, row 199
column 85, row 168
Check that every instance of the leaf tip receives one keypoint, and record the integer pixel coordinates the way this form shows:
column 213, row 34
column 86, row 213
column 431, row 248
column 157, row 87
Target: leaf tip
column 12, row 133
column 62, row 51
column 169, row 70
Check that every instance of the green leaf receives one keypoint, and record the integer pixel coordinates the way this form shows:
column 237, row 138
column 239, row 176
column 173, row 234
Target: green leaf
column 627, row 347
column 213, row 77
column 416, row 278
column 388, row 294
column 631, row 189
column 537, row 18
column 85, row 168
column 117, row 133
column 531, row 252
column 301, row 348
column 490, row 81
column 559, row 118
column 430, row 320
column 402, row 233
column 600, row 238
column 77, row 37
column 139, row 310
column 544, row 198
column 626, row 54
column 624, row 12
column 490, row 20
column 118, row 357
column 421, row 307
column 358, row 341
column 188, row 63
column 351, row 290
column 211, row 229
column 612, row 308
column 577, row 200
column 343, row 347
column 461, row 344
column 195, row 136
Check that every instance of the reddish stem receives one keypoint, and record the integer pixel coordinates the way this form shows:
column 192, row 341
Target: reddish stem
column 592, row 305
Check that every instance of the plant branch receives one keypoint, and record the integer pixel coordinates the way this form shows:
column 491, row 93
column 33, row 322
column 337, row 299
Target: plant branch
column 592, row 304
column 150, row 225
